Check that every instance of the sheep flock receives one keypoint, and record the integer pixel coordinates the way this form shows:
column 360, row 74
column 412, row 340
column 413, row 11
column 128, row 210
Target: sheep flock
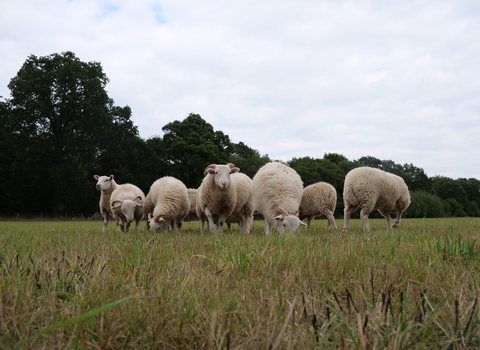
column 227, row 196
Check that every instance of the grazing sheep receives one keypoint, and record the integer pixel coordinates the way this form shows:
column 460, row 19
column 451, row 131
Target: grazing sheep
column 318, row 199
column 225, row 192
column 105, row 184
column 126, row 204
column 370, row 189
column 167, row 204
column 277, row 193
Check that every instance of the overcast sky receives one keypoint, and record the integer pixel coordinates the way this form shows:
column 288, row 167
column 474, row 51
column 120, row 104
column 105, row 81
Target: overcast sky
column 397, row 80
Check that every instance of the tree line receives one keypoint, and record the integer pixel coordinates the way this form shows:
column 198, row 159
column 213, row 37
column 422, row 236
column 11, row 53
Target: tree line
column 59, row 127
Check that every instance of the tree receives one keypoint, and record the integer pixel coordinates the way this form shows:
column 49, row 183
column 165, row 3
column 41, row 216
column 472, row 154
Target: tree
column 62, row 116
column 191, row 145
column 248, row 159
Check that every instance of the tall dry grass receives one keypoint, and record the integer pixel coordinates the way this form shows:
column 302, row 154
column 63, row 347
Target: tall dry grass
column 65, row 285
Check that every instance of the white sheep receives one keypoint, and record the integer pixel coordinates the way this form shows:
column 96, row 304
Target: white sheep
column 192, row 197
column 318, row 199
column 225, row 192
column 105, row 184
column 167, row 204
column 126, row 203
column 277, row 193
column 370, row 189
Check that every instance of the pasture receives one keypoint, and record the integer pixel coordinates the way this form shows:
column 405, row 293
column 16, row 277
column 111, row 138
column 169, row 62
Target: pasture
column 65, row 285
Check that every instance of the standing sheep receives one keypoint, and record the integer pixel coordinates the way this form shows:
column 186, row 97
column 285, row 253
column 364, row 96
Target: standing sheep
column 126, row 204
column 225, row 192
column 370, row 189
column 105, row 184
column 318, row 199
column 277, row 193
column 167, row 204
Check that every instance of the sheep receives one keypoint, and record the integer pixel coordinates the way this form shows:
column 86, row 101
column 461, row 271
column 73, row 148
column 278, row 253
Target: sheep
column 167, row 204
column 371, row 188
column 192, row 197
column 225, row 192
column 318, row 199
column 105, row 184
column 126, row 205
column 277, row 193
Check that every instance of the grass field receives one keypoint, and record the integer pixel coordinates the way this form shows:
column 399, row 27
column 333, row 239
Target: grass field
column 67, row 285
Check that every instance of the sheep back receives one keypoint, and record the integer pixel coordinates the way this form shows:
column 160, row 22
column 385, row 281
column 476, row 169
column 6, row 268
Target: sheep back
column 276, row 185
column 168, row 198
column 318, row 199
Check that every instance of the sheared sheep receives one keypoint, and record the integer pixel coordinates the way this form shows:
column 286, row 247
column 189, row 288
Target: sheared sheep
column 167, row 204
column 127, row 205
column 225, row 192
column 370, row 189
column 277, row 193
column 318, row 199
column 105, row 184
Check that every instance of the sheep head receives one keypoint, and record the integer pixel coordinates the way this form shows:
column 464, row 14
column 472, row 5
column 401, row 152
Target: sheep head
column 104, row 183
column 284, row 222
column 221, row 174
column 158, row 223
column 127, row 206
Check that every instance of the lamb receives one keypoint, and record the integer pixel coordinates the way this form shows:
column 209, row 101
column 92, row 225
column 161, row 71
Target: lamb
column 105, row 184
column 225, row 192
column 318, row 199
column 167, row 204
column 371, row 188
column 277, row 193
column 126, row 205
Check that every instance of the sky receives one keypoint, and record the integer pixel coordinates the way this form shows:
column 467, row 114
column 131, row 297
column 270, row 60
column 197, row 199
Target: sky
column 396, row 80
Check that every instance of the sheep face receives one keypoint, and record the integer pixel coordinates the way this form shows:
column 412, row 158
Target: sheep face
column 104, row 183
column 287, row 223
column 128, row 207
column 157, row 223
column 221, row 174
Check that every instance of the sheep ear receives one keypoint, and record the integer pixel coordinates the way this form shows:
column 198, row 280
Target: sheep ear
column 302, row 223
column 111, row 177
column 279, row 217
column 158, row 218
column 116, row 206
column 234, row 170
column 139, row 205
column 96, row 177
column 150, row 216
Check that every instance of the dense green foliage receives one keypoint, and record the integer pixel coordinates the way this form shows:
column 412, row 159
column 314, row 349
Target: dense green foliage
column 59, row 128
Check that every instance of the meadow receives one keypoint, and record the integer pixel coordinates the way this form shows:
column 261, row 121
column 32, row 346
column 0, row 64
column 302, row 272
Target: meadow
column 67, row 285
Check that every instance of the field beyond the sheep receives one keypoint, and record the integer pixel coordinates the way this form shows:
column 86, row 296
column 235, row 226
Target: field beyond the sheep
column 67, row 285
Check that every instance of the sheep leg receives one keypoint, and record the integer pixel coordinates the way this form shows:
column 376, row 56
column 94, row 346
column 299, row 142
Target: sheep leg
column 349, row 209
column 221, row 221
column 397, row 220
column 331, row 219
column 268, row 228
column 211, row 222
column 387, row 217
column 137, row 224
column 105, row 215
column 364, row 215
column 309, row 221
